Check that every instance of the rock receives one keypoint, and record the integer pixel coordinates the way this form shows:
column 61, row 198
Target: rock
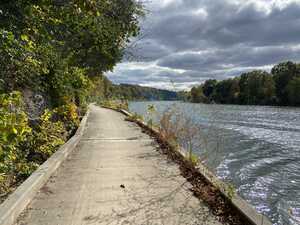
column 35, row 103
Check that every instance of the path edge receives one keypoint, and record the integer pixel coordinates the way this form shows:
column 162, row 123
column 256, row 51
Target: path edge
column 17, row 202
column 238, row 202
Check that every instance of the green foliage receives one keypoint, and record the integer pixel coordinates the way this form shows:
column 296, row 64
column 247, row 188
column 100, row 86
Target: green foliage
column 209, row 88
column 114, row 104
column 18, row 65
column 193, row 158
column 68, row 85
column 151, row 110
column 283, row 74
column 293, row 91
column 197, row 95
column 101, row 89
column 256, row 88
column 46, row 138
column 57, row 47
column 227, row 91
column 68, row 114
column 23, row 148
column 14, row 129
column 60, row 49
column 136, row 117
column 183, row 95
column 281, row 87
column 230, row 190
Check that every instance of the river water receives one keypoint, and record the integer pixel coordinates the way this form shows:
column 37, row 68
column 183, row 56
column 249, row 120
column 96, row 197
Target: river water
column 256, row 148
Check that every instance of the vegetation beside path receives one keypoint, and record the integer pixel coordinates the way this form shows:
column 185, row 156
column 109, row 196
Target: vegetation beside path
column 53, row 55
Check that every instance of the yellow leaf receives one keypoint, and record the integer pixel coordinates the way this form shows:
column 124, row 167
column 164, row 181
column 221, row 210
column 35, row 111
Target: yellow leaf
column 14, row 130
column 24, row 37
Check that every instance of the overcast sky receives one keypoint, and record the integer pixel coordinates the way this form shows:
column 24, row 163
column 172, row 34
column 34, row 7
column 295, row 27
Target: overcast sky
column 189, row 41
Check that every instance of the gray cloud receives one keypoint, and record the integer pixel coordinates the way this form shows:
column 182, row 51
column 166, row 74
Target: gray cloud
column 188, row 41
column 236, row 56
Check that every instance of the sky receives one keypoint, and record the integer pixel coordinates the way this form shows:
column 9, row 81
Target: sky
column 185, row 42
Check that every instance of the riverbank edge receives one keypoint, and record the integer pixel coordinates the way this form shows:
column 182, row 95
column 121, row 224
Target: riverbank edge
column 238, row 203
column 17, row 202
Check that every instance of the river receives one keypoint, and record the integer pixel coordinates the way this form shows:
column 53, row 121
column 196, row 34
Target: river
column 256, row 148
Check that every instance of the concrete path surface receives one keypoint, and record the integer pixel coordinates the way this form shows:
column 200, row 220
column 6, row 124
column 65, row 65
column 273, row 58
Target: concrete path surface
column 116, row 175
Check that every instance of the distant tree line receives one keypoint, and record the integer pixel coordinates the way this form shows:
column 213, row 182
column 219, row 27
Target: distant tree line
column 131, row 92
column 136, row 92
column 280, row 87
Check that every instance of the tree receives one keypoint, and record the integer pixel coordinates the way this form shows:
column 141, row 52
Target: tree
column 257, row 87
column 226, row 91
column 52, row 46
column 197, row 95
column 283, row 73
column 209, row 87
column 293, row 91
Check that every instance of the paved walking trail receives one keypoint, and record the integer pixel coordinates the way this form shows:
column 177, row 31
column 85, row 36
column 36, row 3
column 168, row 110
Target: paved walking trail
column 116, row 175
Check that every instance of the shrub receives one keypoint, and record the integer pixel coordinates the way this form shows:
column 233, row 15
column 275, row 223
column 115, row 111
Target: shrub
column 135, row 117
column 114, row 104
column 170, row 126
column 46, row 138
column 179, row 130
column 68, row 114
column 151, row 112
column 192, row 158
column 14, row 129
column 22, row 148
